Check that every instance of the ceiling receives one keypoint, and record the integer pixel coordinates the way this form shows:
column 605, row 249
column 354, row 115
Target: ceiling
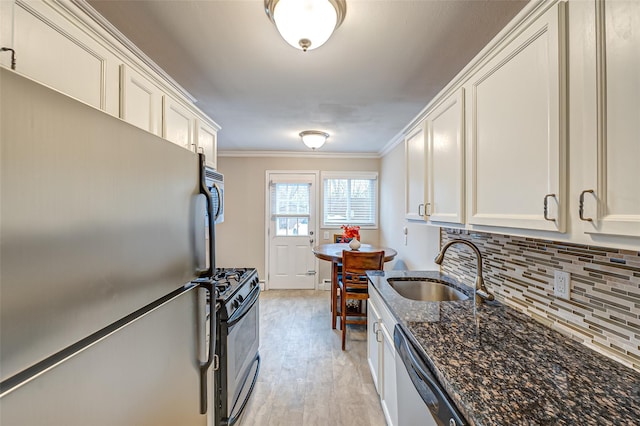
column 374, row 75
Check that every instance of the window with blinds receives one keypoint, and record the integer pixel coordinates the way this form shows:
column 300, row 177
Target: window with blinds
column 290, row 208
column 350, row 198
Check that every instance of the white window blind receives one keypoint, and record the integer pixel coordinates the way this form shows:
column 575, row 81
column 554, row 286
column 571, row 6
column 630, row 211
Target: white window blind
column 350, row 198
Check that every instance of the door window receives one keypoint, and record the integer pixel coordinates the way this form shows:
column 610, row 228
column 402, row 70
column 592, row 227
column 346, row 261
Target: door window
column 290, row 203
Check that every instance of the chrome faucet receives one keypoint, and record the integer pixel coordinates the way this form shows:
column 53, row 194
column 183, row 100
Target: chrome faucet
column 481, row 291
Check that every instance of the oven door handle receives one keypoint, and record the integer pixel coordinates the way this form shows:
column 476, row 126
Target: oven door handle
column 233, row 418
column 246, row 307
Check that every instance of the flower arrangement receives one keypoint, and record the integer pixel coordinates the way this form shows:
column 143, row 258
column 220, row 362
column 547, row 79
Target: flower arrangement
column 350, row 232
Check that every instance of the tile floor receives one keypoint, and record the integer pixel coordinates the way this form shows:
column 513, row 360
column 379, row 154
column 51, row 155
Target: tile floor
column 305, row 378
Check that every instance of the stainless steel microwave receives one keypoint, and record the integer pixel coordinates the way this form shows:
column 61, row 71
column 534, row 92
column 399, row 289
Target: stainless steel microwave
column 215, row 182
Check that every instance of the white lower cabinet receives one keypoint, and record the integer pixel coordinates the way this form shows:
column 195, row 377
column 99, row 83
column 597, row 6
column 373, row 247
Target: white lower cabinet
column 374, row 349
column 381, row 354
column 389, row 396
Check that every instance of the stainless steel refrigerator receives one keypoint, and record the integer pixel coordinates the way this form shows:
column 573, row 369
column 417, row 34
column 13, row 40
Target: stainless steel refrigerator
column 102, row 233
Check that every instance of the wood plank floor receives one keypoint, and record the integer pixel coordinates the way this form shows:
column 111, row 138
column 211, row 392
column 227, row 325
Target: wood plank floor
column 305, row 377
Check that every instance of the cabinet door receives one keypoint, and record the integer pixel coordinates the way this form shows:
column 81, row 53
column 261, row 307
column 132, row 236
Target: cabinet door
column 57, row 54
column 516, row 110
column 374, row 346
column 415, row 173
column 389, row 393
column 140, row 101
column 445, row 160
column 207, row 142
column 177, row 123
column 612, row 197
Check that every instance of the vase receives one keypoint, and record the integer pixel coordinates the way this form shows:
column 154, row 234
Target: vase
column 354, row 244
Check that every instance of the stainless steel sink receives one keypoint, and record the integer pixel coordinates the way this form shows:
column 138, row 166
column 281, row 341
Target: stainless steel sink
column 425, row 290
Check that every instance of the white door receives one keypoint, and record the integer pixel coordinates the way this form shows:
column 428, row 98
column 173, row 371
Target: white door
column 292, row 227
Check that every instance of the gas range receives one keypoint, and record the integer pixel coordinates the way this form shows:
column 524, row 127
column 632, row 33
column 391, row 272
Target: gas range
column 233, row 286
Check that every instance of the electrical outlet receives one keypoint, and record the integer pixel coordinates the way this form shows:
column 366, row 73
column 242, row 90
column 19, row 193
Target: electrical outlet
column 326, row 235
column 562, row 284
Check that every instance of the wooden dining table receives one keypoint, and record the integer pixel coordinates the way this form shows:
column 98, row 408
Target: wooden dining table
column 333, row 254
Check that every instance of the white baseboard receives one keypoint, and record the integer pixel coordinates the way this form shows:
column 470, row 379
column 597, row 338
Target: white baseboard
column 324, row 285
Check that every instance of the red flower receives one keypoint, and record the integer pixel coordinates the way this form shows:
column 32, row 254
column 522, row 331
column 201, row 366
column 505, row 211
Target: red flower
column 350, row 232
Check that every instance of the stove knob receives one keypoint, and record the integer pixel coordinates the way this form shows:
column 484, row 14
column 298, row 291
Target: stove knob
column 240, row 298
column 235, row 304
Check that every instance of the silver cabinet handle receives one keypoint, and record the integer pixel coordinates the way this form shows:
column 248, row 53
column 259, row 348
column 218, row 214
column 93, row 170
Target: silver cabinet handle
column 376, row 330
column 420, row 208
column 546, row 209
column 581, row 205
column 427, row 209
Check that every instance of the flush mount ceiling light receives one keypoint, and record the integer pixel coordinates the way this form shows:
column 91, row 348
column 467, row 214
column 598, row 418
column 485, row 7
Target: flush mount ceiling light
column 306, row 24
column 314, row 138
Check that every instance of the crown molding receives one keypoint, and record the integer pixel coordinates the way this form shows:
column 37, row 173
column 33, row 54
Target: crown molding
column 298, row 154
column 130, row 49
column 528, row 13
column 397, row 140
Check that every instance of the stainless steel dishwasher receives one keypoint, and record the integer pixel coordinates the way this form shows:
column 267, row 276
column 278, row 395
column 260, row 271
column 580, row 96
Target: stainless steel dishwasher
column 421, row 399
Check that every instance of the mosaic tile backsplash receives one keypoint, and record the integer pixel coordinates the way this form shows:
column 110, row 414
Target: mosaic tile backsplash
column 604, row 310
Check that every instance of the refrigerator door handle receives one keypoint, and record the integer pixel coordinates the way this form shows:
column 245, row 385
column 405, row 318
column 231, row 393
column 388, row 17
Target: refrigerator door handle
column 204, row 366
column 211, row 218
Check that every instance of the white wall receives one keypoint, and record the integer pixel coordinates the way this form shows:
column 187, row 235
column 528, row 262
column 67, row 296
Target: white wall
column 240, row 240
column 423, row 241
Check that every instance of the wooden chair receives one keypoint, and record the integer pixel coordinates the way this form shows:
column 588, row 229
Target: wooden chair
column 354, row 285
column 337, row 238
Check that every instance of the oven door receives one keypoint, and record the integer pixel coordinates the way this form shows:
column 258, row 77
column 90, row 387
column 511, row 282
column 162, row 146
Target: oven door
column 243, row 361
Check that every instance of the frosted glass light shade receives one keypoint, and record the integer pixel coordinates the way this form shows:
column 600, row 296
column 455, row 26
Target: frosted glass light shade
column 306, row 24
column 314, row 138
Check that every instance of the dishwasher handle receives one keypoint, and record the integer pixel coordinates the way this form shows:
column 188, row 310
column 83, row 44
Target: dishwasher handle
column 428, row 387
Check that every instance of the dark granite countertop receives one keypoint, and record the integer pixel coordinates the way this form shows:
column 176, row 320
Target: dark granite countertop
column 501, row 367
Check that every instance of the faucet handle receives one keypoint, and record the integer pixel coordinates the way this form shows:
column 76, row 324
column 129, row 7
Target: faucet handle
column 485, row 295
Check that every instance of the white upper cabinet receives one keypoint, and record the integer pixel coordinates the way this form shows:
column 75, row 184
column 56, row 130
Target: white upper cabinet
column 611, row 197
column 140, row 101
column 206, row 136
column 178, row 123
column 445, row 160
column 59, row 55
column 516, row 128
column 415, row 162
column 68, row 46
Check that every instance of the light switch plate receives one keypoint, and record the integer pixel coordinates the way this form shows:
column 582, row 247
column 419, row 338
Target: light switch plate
column 326, row 235
column 562, row 284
